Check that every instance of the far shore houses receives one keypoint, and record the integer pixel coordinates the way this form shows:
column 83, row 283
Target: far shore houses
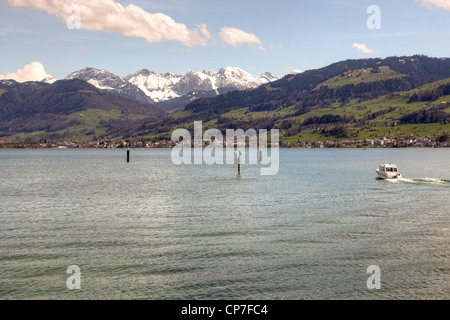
column 385, row 142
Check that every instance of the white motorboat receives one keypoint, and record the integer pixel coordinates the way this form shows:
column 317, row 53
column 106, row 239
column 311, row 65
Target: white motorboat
column 388, row 171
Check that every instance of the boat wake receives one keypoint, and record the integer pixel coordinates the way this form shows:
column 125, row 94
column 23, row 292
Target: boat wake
column 441, row 182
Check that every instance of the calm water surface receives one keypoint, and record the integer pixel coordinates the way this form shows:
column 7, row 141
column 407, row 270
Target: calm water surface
column 153, row 230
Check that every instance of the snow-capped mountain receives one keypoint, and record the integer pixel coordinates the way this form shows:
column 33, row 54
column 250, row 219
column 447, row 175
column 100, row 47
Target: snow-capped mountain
column 158, row 86
column 171, row 91
column 49, row 79
column 164, row 87
column 108, row 81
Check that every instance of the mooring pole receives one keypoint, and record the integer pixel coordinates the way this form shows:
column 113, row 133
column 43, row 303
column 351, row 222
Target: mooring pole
column 238, row 160
column 128, row 155
column 239, row 165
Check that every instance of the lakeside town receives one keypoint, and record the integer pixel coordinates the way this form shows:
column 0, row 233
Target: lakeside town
column 409, row 142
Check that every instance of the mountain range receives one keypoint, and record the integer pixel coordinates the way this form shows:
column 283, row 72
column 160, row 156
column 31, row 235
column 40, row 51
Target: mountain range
column 110, row 82
column 170, row 91
column 351, row 99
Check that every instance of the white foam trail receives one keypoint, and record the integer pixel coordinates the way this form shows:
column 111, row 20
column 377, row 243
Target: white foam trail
column 423, row 181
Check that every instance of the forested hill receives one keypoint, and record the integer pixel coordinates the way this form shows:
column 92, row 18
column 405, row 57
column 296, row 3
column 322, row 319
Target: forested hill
column 352, row 99
column 63, row 109
column 378, row 77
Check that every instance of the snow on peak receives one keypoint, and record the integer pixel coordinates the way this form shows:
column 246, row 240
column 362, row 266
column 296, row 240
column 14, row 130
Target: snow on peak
column 294, row 72
column 105, row 80
column 167, row 86
column 163, row 87
column 101, row 79
column 49, row 79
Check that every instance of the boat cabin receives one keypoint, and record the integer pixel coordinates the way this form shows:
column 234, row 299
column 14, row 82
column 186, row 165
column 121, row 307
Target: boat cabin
column 388, row 171
column 388, row 168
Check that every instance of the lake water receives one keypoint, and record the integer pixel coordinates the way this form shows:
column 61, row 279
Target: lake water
column 153, row 230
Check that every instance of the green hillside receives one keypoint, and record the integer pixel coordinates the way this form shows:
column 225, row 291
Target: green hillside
column 355, row 120
column 364, row 75
column 361, row 99
column 71, row 109
column 369, row 119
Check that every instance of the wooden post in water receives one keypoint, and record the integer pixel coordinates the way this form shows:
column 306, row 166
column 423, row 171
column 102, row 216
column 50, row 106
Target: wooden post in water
column 260, row 156
column 238, row 158
column 239, row 165
column 128, row 155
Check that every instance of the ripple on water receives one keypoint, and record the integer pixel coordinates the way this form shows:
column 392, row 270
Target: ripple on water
column 153, row 230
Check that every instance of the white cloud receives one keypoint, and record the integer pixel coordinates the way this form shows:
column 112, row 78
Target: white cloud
column 111, row 16
column 445, row 4
column 34, row 71
column 362, row 47
column 236, row 37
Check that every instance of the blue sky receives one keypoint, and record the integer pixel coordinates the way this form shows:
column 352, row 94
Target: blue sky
column 276, row 36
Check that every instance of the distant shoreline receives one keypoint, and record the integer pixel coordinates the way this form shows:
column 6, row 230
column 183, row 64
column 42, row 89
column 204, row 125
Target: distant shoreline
column 148, row 148
column 380, row 144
